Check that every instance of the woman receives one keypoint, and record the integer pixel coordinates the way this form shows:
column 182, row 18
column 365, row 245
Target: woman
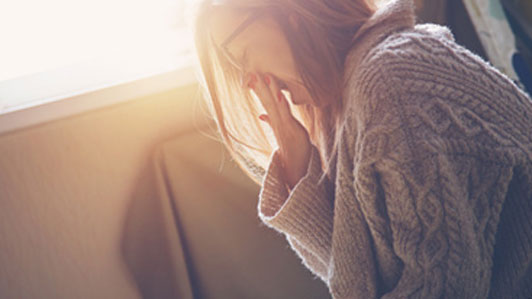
column 397, row 163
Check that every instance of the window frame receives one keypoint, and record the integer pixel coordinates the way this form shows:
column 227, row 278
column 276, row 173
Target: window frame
column 34, row 114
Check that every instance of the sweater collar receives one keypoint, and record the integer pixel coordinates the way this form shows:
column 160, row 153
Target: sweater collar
column 390, row 17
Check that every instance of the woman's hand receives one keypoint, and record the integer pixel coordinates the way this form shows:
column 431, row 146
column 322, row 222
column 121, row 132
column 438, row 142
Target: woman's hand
column 292, row 137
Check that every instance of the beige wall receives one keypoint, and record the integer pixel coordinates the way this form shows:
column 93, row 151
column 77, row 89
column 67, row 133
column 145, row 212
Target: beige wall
column 64, row 191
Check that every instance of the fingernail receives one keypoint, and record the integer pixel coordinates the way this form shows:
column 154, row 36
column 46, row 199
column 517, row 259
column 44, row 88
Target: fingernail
column 280, row 96
column 261, row 117
column 267, row 79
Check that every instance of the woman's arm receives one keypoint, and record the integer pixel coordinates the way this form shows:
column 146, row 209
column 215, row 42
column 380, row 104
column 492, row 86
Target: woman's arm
column 304, row 213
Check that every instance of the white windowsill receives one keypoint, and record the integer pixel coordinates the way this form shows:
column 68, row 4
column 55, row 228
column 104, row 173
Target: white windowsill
column 32, row 114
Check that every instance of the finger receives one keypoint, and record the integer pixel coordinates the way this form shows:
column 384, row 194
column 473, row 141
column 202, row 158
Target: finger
column 281, row 102
column 267, row 98
column 244, row 81
column 265, row 118
column 278, row 134
column 284, row 105
column 248, row 80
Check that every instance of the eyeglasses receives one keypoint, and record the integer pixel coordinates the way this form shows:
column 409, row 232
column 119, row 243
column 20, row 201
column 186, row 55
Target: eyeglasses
column 223, row 47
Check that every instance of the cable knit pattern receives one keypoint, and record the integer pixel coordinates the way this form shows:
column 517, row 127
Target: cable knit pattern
column 432, row 192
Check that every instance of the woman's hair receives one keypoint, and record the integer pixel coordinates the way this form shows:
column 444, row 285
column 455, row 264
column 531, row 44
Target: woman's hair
column 320, row 45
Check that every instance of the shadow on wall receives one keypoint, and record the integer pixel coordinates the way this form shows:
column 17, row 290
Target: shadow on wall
column 145, row 243
column 193, row 231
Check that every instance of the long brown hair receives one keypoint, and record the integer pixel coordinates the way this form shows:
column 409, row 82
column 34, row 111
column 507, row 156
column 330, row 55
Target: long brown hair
column 322, row 42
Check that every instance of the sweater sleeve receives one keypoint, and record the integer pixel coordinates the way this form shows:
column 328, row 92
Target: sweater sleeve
column 309, row 259
column 305, row 213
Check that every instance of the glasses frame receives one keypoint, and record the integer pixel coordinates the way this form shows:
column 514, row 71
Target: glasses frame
column 223, row 47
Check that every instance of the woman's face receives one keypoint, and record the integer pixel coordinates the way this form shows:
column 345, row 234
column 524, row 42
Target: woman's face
column 260, row 48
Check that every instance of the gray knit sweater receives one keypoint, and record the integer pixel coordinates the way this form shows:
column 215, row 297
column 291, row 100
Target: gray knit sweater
column 432, row 189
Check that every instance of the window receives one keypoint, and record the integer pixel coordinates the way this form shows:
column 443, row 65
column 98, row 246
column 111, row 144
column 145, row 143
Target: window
column 57, row 49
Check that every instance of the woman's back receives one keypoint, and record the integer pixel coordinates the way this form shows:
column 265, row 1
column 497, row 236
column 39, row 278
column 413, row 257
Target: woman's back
column 452, row 136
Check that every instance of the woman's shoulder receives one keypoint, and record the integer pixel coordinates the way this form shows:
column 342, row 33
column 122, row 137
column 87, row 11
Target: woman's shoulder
column 427, row 46
column 430, row 45
column 401, row 59
column 426, row 61
column 421, row 76
column 396, row 53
